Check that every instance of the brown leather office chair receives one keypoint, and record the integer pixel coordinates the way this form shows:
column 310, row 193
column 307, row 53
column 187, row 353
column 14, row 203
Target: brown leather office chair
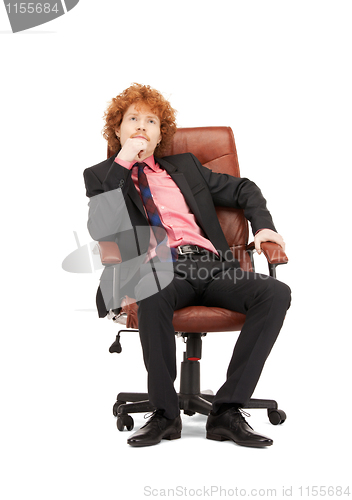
column 215, row 148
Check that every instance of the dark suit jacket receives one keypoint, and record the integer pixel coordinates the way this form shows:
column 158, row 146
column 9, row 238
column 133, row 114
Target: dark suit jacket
column 116, row 211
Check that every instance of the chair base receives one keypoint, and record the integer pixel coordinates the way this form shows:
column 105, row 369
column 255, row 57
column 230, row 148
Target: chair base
column 137, row 402
column 191, row 399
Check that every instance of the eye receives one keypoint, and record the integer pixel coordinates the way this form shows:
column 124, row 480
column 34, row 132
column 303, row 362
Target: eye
column 152, row 121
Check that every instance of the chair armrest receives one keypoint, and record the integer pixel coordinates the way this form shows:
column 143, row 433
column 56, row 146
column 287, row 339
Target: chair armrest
column 130, row 307
column 109, row 252
column 273, row 252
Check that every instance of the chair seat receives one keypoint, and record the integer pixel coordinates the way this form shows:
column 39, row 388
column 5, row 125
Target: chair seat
column 207, row 319
column 192, row 319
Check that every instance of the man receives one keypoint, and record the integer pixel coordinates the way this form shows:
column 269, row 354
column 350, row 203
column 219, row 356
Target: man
column 136, row 186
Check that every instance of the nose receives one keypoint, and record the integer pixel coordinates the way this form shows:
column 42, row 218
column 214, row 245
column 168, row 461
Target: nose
column 141, row 126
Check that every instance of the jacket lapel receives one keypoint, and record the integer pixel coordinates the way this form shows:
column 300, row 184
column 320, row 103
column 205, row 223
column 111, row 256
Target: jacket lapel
column 133, row 194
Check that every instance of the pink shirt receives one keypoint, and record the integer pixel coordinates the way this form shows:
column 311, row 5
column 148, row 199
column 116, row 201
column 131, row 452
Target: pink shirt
column 178, row 221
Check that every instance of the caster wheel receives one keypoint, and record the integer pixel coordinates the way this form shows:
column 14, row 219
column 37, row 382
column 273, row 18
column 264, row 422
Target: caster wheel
column 125, row 421
column 276, row 417
column 116, row 406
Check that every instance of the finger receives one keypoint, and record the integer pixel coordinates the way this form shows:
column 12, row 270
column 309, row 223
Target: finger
column 257, row 243
column 139, row 140
column 137, row 143
column 280, row 241
column 141, row 153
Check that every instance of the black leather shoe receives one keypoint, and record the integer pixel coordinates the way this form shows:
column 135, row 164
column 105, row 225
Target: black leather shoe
column 231, row 425
column 157, row 428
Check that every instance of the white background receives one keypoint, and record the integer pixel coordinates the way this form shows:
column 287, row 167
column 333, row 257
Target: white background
column 278, row 73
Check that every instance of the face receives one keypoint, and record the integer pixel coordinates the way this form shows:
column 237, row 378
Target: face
column 140, row 122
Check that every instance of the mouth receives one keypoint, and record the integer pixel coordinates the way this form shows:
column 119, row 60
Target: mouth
column 139, row 136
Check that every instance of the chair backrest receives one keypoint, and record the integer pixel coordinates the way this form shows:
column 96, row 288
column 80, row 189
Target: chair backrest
column 215, row 148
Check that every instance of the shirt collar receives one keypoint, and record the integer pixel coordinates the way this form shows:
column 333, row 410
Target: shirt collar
column 150, row 161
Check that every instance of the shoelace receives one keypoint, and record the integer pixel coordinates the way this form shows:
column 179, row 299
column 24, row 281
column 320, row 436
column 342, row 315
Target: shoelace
column 243, row 414
column 152, row 414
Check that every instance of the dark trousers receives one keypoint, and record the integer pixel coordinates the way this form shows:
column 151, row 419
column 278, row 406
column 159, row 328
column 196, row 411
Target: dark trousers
column 208, row 282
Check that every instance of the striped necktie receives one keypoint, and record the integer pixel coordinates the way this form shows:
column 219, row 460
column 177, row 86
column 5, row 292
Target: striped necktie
column 164, row 253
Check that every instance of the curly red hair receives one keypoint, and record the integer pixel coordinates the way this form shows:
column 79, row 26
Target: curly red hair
column 148, row 96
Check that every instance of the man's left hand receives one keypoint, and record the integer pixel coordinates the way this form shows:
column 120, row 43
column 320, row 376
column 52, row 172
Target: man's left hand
column 267, row 235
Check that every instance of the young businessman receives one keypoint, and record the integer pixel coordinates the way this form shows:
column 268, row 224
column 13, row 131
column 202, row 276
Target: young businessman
column 158, row 192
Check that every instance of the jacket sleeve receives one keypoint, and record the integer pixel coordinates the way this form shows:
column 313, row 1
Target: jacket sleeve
column 238, row 192
column 107, row 213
